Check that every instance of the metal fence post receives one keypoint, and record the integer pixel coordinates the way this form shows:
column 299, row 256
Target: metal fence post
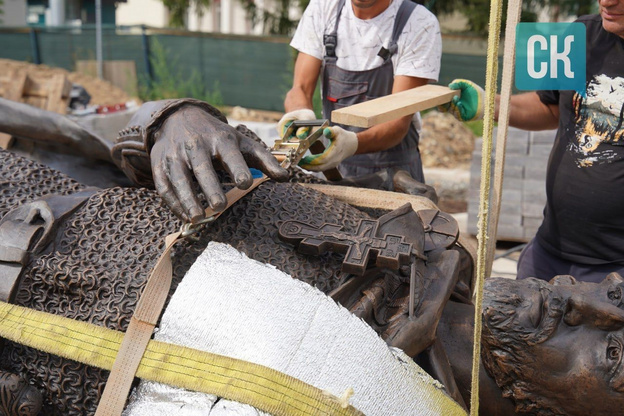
column 34, row 44
column 146, row 54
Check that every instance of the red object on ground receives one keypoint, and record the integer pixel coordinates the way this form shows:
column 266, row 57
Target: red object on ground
column 104, row 109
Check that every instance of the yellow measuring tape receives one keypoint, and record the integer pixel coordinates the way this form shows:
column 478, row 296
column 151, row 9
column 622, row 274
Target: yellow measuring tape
column 261, row 387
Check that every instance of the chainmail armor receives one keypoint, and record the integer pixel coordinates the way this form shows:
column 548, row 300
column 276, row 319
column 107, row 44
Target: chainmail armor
column 22, row 180
column 105, row 251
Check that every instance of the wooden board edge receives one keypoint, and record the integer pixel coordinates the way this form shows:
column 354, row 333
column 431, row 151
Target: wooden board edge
column 386, row 108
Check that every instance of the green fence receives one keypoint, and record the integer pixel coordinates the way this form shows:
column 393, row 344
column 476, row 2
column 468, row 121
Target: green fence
column 253, row 72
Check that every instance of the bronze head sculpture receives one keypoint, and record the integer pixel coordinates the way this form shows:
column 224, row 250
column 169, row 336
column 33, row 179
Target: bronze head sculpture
column 556, row 348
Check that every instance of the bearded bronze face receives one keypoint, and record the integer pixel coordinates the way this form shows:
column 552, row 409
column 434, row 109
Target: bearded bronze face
column 556, row 348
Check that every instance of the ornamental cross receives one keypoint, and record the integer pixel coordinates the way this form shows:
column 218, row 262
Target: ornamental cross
column 390, row 251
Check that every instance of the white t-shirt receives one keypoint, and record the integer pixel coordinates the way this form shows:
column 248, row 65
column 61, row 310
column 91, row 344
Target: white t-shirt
column 359, row 41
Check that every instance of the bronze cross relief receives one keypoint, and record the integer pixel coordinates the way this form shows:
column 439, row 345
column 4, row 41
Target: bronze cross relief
column 390, row 251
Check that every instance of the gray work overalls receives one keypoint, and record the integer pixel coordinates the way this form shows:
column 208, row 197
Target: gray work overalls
column 342, row 88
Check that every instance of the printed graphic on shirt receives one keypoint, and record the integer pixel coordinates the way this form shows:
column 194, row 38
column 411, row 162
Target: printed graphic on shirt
column 599, row 116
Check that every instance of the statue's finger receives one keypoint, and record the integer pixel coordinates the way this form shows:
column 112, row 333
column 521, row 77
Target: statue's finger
column 260, row 158
column 166, row 192
column 234, row 163
column 370, row 300
column 208, row 179
column 412, row 335
column 181, row 181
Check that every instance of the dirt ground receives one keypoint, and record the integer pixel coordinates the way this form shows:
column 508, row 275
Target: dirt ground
column 102, row 92
column 445, row 142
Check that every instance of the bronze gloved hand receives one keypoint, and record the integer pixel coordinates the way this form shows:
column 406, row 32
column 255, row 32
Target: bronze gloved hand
column 384, row 304
column 414, row 334
column 192, row 144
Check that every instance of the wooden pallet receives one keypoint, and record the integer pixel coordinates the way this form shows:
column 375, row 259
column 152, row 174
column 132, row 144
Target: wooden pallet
column 121, row 74
column 49, row 93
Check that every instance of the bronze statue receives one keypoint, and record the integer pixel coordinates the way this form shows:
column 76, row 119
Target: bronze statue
column 551, row 348
column 99, row 247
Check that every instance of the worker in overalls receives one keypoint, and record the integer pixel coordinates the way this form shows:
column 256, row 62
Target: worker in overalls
column 363, row 49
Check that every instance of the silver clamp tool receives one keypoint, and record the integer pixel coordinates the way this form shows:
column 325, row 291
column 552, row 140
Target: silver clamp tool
column 290, row 149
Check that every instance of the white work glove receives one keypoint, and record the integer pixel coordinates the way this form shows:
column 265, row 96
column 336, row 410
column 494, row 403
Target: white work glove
column 469, row 105
column 342, row 144
column 288, row 118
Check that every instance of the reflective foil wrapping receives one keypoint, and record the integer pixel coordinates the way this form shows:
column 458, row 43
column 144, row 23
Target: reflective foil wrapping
column 231, row 305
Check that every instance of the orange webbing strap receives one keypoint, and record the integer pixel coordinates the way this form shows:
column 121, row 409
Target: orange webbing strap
column 145, row 318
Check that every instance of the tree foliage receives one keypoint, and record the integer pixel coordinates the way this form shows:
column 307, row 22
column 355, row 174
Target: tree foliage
column 276, row 19
column 168, row 81
column 477, row 11
column 178, row 10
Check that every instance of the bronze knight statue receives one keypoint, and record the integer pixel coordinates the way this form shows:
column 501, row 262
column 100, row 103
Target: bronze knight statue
column 547, row 348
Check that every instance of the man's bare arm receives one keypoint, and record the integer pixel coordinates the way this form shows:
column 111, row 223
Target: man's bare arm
column 389, row 134
column 307, row 70
column 528, row 112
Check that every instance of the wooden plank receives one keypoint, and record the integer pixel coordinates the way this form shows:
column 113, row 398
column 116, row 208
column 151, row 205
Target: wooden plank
column 121, row 74
column 14, row 91
column 393, row 106
column 40, row 87
column 4, row 81
column 87, row 67
column 39, row 102
column 37, row 87
column 6, row 141
column 55, row 102
column 67, row 86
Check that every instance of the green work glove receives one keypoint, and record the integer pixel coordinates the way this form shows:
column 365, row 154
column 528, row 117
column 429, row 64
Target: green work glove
column 469, row 105
column 343, row 143
column 288, row 118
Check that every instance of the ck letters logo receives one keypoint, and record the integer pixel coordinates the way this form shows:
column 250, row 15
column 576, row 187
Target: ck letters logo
column 550, row 56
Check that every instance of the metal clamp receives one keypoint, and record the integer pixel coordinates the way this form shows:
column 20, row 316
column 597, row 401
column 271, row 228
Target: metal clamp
column 290, row 149
column 188, row 230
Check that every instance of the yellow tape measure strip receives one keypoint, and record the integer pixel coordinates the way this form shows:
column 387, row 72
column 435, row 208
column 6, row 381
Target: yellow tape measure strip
column 266, row 389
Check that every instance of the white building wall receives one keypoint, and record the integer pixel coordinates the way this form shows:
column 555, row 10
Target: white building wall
column 142, row 12
column 223, row 16
column 14, row 13
column 207, row 21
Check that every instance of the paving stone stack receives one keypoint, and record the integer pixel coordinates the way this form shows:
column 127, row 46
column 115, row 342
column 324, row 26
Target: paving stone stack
column 524, row 184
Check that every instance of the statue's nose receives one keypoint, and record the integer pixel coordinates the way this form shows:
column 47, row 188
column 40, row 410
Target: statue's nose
column 589, row 310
